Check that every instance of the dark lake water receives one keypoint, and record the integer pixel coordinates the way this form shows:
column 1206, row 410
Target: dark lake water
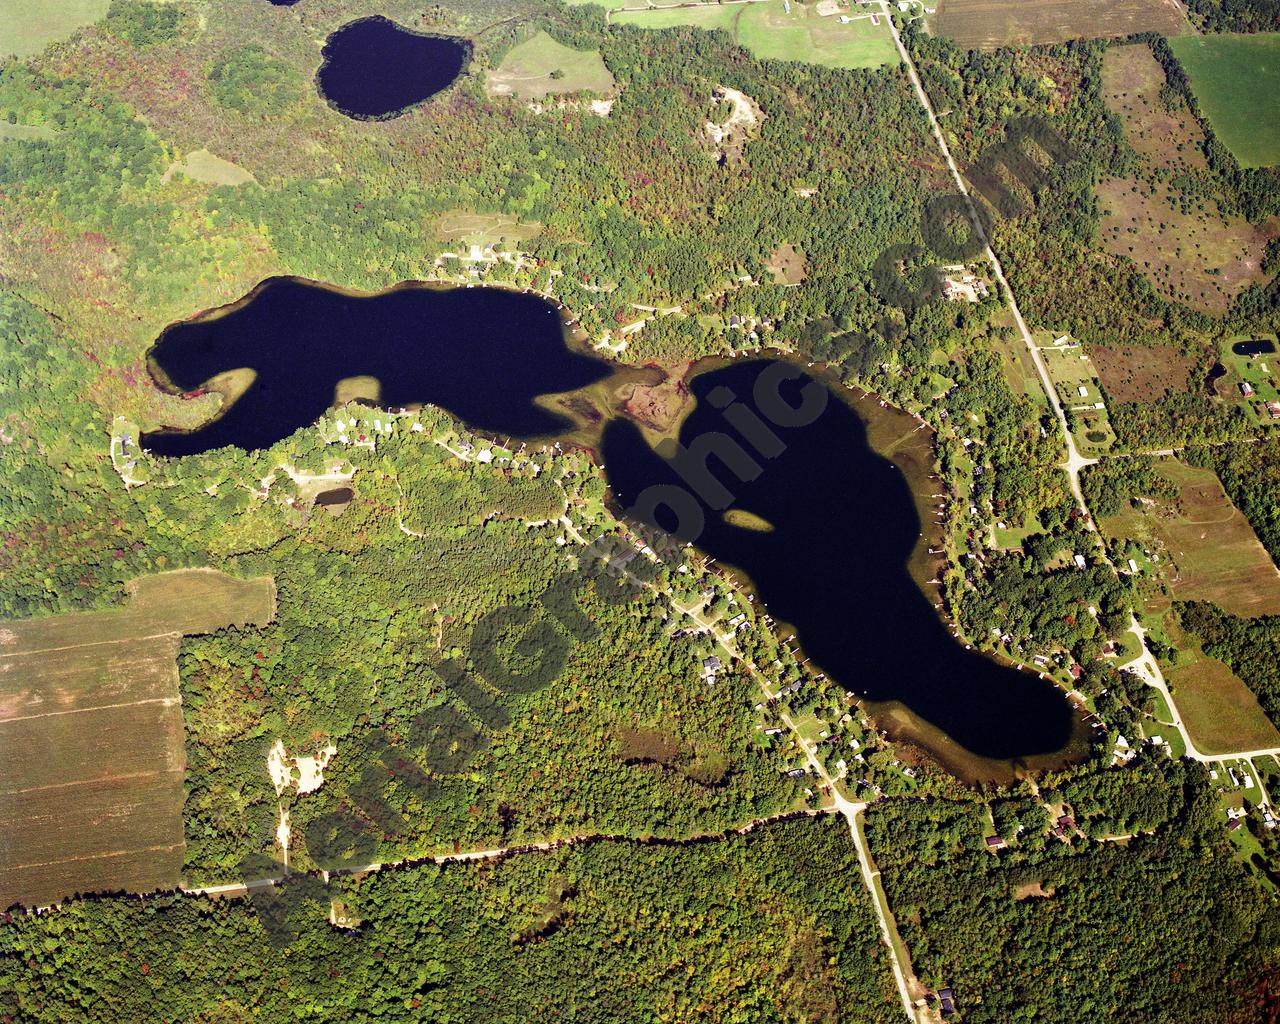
column 375, row 69
column 482, row 353
column 834, row 566
column 1259, row 347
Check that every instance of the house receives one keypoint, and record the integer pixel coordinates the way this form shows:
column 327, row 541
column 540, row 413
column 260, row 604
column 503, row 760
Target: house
column 1246, row 388
column 1273, row 408
column 1065, row 821
column 1133, row 566
column 995, row 843
column 946, row 1001
column 1079, row 560
column 1084, row 391
column 1233, row 824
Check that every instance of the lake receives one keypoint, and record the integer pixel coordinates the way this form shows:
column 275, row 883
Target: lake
column 827, row 531
column 835, row 564
column 375, row 69
column 449, row 347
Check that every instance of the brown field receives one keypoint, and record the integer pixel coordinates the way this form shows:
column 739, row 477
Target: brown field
column 1142, row 373
column 1196, row 256
column 1219, row 710
column 987, row 24
column 1207, row 549
column 787, row 265
column 91, row 737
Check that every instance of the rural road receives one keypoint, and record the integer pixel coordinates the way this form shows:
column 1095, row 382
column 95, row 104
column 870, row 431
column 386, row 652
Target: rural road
column 1149, row 669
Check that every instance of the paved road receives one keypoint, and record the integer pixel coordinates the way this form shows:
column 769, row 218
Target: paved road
column 1149, row 668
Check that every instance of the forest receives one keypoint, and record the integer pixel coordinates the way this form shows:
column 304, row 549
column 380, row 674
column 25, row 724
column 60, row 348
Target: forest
column 761, row 927
column 1164, row 926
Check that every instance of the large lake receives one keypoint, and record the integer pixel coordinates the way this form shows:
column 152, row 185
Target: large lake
column 836, row 565
column 374, row 69
column 484, row 354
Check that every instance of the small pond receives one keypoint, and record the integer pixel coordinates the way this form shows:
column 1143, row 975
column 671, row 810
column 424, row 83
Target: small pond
column 1257, row 347
column 375, row 69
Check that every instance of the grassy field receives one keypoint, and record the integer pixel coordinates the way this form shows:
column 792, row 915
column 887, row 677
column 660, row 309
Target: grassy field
column 706, row 18
column 541, row 67
column 28, row 26
column 770, row 32
column 787, row 265
column 485, row 228
column 25, row 132
column 1207, row 550
column 987, row 24
column 201, row 165
column 1015, row 360
column 1236, row 82
column 1195, row 255
column 1220, row 712
column 91, row 738
column 1071, row 369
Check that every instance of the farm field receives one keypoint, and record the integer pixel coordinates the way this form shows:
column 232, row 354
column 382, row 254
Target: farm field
column 1207, row 549
column 772, row 32
column 1236, row 80
column 705, row 18
column 541, row 67
column 1220, row 711
column 988, row 24
column 28, row 26
column 96, row 694
column 1191, row 253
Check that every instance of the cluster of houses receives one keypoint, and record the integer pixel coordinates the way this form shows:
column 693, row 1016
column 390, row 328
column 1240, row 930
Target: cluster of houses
column 959, row 283
column 1241, row 779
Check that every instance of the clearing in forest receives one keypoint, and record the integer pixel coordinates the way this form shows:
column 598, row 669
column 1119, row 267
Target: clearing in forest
column 27, row 132
column 91, row 737
column 780, row 30
column 28, row 26
column 1142, row 373
column 541, row 67
column 1206, row 548
column 786, row 264
column 1218, row 709
column 201, row 165
column 1236, row 82
column 987, row 24
column 485, row 228
column 1184, row 244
